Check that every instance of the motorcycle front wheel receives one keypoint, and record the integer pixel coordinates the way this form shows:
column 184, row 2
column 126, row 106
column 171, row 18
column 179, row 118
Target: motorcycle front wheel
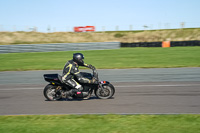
column 51, row 94
column 105, row 93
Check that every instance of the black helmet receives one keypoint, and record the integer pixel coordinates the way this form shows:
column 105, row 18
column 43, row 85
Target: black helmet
column 78, row 58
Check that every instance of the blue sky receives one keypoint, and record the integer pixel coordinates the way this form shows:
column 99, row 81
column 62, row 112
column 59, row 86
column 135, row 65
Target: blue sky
column 63, row 15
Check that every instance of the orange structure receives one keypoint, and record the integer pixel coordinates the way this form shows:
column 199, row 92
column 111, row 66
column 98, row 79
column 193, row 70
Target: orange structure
column 166, row 44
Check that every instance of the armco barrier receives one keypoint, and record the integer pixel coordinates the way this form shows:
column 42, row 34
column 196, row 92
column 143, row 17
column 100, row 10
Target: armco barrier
column 162, row 44
column 58, row 47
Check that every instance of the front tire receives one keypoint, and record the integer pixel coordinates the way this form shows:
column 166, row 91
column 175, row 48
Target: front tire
column 51, row 94
column 107, row 92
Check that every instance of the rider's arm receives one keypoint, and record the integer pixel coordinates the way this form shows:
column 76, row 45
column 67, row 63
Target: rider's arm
column 83, row 79
column 86, row 65
column 89, row 66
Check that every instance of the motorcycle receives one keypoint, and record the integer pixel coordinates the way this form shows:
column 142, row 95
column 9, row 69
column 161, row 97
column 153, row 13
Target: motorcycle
column 57, row 90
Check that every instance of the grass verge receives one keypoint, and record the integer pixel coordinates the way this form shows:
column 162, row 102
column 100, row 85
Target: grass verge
column 101, row 124
column 105, row 59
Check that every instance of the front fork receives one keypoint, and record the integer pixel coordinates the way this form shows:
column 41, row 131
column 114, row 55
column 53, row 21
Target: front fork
column 101, row 86
column 102, row 83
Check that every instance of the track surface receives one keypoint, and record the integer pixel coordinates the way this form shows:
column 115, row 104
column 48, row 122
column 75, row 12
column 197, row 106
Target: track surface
column 171, row 90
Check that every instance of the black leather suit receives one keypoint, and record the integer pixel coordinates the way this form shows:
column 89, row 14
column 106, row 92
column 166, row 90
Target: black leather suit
column 70, row 70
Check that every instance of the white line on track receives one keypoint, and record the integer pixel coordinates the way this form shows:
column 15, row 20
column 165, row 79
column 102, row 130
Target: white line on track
column 125, row 86
column 18, row 89
column 175, row 85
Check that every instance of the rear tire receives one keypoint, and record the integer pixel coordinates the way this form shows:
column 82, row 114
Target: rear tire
column 106, row 93
column 50, row 93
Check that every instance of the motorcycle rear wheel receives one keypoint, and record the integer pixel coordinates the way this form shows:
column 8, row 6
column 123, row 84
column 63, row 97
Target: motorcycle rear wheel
column 50, row 93
column 106, row 93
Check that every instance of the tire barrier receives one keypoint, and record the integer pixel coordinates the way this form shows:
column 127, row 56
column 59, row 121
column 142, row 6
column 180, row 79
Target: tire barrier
column 185, row 43
column 162, row 44
column 142, row 44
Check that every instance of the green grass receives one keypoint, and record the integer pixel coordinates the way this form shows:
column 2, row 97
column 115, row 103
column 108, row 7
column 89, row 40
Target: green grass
column 100, row 124
column 105, row 59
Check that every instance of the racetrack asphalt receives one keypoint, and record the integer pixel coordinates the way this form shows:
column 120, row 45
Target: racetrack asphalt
column 138, row 91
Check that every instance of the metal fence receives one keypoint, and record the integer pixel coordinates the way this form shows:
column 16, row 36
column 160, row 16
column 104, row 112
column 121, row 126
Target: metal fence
column 107, row 27
column 20, row 48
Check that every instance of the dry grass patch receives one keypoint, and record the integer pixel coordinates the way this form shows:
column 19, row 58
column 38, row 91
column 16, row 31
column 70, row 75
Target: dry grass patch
column 121, row 36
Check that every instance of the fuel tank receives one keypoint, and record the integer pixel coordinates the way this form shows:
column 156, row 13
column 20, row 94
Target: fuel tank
column 87, row 75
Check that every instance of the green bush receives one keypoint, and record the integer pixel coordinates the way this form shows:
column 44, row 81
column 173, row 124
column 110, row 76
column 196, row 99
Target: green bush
column 119, row 35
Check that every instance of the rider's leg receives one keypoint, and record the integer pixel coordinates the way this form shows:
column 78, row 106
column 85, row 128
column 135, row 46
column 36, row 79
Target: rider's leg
column 77, row 88
column 75, row 85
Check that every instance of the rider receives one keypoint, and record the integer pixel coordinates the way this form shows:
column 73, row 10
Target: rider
column 70, row 70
